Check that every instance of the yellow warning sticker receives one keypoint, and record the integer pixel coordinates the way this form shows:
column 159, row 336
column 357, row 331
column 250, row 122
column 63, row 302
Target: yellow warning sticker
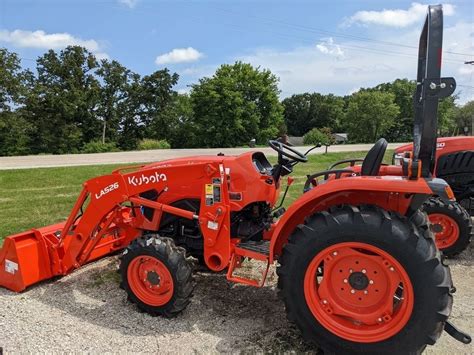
column 209, row 189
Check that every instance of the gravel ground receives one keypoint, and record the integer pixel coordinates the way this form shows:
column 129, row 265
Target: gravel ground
column 87, row 312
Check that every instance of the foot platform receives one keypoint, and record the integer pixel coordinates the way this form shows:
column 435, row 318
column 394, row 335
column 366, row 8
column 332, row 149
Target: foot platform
column 252, row 250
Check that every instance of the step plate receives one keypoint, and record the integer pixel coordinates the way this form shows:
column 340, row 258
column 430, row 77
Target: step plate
column 260, row 247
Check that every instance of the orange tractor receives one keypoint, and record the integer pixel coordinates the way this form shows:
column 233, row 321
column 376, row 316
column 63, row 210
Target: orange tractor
column 358, row 267
column 450, row 221
column 454, row 163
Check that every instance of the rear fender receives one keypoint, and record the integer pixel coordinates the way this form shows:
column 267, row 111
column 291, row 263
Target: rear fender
column 388, row 192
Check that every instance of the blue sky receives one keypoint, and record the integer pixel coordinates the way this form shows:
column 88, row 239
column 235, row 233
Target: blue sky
column 324, row 46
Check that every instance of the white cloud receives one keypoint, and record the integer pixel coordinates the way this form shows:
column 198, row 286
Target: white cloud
column 354, row 90
column 179, row 55
column 42, row 40
column 311, row 68
column 307, row 69
column 129, row 3
column 184, row 91
column 101, row 55
column 395, row 17
column 327, row 46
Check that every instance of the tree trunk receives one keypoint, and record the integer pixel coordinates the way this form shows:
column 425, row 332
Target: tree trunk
column 103, row 131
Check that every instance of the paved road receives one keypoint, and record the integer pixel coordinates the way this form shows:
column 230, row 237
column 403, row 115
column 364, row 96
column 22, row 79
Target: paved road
column 145, row 156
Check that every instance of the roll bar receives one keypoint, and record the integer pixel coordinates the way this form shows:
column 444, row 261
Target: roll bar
column 430, row 87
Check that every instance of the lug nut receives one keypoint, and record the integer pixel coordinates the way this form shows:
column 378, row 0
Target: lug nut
column 350, row 270
column 325, row 302
column 364, row 271
column 345, row 281
column 379, row 320
column 334, row 253
column 365, row 292
column 371, row 282
column 353, row 291
column 391, row 268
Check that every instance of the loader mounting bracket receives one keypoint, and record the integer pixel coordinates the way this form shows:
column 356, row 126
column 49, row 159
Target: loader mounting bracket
column 439, row 88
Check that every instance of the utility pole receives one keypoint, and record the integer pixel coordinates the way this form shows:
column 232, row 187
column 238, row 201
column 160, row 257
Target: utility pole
column 471, row 62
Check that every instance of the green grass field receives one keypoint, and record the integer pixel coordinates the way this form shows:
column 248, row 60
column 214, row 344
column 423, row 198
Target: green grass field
column 31, row 198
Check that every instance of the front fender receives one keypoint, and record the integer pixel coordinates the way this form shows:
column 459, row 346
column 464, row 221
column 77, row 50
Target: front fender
column 392, row 193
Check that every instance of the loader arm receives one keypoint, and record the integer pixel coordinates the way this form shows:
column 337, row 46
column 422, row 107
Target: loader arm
column 106, row 217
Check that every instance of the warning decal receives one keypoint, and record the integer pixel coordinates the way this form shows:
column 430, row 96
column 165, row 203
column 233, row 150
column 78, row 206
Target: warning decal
column 209, row 195
column 10, row 266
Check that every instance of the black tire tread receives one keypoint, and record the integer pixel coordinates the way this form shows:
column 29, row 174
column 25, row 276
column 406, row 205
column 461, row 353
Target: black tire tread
column 416, row 233
column 180, row 268
column 460, row 215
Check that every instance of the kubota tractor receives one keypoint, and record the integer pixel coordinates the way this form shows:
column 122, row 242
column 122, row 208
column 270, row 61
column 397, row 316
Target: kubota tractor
column 449, row 221
column 358, row 270
column 453, row 162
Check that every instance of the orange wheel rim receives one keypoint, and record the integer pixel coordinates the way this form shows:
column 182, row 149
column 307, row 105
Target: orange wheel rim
column 150, row 280
column 445, row 229
column 358, row 292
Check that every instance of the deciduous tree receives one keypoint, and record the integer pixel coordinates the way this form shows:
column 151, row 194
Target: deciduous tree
column 238, row 103
column 369, row 115
column 312, row 110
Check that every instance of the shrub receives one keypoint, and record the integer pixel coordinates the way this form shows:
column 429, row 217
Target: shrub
column 314, row 137
column 323, row 136
column 99, row 147
column 147, row 144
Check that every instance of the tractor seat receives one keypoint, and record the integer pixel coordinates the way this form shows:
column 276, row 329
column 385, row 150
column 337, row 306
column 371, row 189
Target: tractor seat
column 373, row 159
column 370, row 166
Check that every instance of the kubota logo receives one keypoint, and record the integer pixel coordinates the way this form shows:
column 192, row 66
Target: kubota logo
column 107, row 189
column 146, row 179
column 440, row 145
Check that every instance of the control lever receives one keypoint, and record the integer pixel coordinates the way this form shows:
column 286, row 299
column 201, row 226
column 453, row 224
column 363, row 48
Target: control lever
column 457, row 334
column 289, row 182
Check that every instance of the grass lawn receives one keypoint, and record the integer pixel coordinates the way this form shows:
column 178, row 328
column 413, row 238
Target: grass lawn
column 32, row 198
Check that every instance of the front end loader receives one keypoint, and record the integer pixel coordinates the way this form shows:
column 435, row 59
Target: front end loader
column 358, row 268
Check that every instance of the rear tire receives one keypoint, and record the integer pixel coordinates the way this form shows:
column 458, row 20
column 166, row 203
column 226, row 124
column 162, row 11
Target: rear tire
column 451, row 224
column 157, row 276
column 380, row 240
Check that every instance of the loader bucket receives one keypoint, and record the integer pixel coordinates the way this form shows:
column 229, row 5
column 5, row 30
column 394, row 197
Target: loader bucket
column 29, row 257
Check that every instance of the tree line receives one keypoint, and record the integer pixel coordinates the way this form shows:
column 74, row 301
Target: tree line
column 74, row 102
column 385, row 110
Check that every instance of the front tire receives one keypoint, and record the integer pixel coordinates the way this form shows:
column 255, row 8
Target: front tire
column 157, row 276
column 451, row 225
column 364, row 280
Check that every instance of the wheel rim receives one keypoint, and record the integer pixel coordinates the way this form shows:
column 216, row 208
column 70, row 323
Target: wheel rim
column 150, row 280
column 445, row 229
column 358, row 292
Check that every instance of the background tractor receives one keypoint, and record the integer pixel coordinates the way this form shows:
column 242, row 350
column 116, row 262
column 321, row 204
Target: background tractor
column 358, row 267
column 453, row 157
column 450, row 221
column 454, row 163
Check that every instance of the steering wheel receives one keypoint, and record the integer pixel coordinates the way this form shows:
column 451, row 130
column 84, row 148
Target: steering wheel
column 287, row 151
